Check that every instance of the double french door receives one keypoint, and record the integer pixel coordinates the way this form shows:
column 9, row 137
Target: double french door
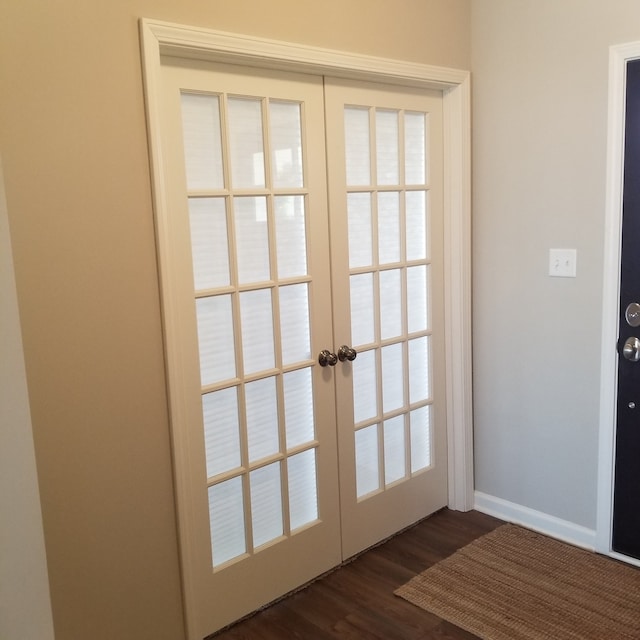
column 301, row 260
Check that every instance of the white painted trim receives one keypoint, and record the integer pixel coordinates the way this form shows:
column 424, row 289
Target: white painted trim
column 457, row 216
column 536, row 520
column 618, row 57
column 160, row 38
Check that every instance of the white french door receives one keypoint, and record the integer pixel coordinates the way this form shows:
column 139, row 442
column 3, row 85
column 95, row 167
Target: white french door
column 284, row 467
column 385, row 183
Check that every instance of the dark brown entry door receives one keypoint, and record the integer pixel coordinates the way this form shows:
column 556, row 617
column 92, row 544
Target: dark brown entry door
column 626, row 509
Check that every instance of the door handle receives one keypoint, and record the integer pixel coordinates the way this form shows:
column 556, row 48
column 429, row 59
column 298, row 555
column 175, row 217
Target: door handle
column 346, row 353
column 631, row 349
column 326, row 358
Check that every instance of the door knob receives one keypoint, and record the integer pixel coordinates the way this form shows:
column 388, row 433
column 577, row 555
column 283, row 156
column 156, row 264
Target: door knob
column 327, row 358
column 631, row 349
column 346, row 353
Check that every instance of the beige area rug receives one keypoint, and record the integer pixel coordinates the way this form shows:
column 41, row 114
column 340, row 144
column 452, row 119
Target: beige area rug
column 514, row 584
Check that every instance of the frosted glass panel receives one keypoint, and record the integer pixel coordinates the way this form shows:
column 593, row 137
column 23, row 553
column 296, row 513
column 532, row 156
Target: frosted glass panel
column 252, row 239
column 294, row 321
column 367, row 466
column 358, row 151
column 419, row 369
column 394, row 450
column 414, row 148
column 266, row 504
column 209, row 248
column 360, row 230
column 420, row 438
column 362, row 326
column 256, row 315
column 202, row 141
column 365, row 395
column 298, row 407
column 417, row 298
column 286, row 144
column 291, row 236
column 388, row 227
column 262, row 418
column 416, row 215
column 215, row 339
column 387, row 147
column 303, row 492
column 226, row 516
column 245, row 142
column 221, row 433
column 390, row 304
column 392, row 378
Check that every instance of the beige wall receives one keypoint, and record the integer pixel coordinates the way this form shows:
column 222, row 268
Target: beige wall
column 72, row 135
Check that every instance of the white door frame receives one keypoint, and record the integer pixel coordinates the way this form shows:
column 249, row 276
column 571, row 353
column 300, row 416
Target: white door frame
column 161, row 38
column 619, row 55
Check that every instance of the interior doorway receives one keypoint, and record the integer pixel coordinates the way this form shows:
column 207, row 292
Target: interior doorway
column 180, row 44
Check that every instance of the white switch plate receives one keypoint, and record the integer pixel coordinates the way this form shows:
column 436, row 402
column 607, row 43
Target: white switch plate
column 562, row 263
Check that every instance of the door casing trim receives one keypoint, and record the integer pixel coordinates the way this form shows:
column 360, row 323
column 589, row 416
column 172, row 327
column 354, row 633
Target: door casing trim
column 161, row 38
column 619, row 55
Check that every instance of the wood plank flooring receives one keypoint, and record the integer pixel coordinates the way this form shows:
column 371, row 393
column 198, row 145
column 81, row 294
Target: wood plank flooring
column 357, row 601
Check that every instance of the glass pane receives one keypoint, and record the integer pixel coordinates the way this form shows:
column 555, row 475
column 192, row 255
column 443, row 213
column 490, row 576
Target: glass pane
column 298, row 407
column 215, row 339
column 394, row 450
column 266, row 504
column 362, row 327
column 357, row 146
column 256, row 315
column 252, row 239
column 390, row 304
column 365, row 395
column 286, row 144
column 221, row 432
column 416, row 213
column 209, row 248
column 388, row 227
column 262, row 418
column 420, row 439
column 367, row 466
column 392, row 378
column 417, row 299
column 303, row 492
column 202, row 141
column 245, row 142
column 360, row 230
column 419, row 369
column 291, row 238
column 414, row 148
column 294, row 323
column 226, row 517
column 387, row 147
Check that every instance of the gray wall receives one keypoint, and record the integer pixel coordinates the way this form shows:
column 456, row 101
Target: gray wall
column 540, row 73
column 25, row 606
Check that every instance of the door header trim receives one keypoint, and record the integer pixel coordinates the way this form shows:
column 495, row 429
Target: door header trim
column 221, row 46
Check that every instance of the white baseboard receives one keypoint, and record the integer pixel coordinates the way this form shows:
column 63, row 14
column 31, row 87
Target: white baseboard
column 543, row 523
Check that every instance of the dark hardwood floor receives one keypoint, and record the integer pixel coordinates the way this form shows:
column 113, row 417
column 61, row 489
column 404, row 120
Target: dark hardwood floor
column 357, row 601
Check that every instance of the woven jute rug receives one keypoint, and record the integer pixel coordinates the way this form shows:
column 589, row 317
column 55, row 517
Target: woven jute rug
column 514, row 584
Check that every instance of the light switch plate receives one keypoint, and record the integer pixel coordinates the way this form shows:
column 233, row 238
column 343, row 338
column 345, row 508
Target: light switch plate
column 562, row 263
